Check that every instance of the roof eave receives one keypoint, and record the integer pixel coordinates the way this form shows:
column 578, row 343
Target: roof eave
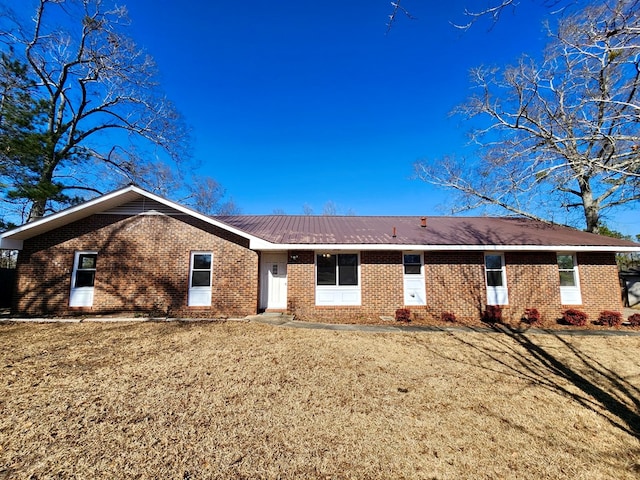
column 13, row 239
column 267, row 246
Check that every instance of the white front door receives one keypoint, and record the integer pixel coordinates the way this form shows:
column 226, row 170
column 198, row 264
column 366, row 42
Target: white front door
column 83, row 279
column 273, row 293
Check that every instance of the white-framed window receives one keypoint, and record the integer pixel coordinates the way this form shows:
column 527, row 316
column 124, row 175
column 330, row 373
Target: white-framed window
column 338, row 278
column 413, row 278
column 200, row 275
column 569, row 279
column 412, row 263
column 496, row 279
column 83, row 279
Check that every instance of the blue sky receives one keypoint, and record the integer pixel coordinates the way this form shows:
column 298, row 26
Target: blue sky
column 297, row 103
column 305, row 102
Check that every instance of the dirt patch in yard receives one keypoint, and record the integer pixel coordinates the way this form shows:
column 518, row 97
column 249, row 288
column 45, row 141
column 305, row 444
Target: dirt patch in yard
column 242, row 400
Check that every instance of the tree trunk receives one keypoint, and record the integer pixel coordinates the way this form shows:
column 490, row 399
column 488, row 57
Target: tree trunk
column 37, row 210
column 44, row 189
column 591, row 208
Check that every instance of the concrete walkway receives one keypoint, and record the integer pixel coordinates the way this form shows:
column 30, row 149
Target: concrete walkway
column 288, row 321
column 283, row 320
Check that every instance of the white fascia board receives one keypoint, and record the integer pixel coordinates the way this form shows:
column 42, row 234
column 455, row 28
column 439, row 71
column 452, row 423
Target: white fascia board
column 199, row 216
column 13, row 238
column 67, row 212
column 264, row 245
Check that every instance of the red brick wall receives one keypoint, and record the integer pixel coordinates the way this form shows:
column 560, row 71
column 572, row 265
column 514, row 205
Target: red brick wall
column 382, row 288
column 600, row 286
column 381, row 272
column 455, row 283
column 301, row 293
column 533, row 281
column 143, row 266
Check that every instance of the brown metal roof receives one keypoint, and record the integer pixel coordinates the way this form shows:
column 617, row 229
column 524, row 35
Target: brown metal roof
column 276, row 231
column 370, row 230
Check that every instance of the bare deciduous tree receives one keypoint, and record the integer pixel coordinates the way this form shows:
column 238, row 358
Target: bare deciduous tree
column 330, row 208
column 207, row 196
column 563, row 132
column 397, row 9
column 496, row 8
column 94, row 116
column 307, row 209
column 493, row 11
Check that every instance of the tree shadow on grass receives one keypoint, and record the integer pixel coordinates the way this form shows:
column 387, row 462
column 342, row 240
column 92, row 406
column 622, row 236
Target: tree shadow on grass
column 595, row 386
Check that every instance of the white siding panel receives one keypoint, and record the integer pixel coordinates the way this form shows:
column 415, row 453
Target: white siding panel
column 414, row 290
column 142, row 206
column 200, row 297
column 327, row 296
column 497, row 296
column 81, row 297
column 570, row 296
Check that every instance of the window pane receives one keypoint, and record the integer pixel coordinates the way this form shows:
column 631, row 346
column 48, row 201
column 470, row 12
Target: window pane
column 326, row 269
column 412, row 269
column 348, row 269
column 412, row 258
column 348, row 260
column 565, row 262
column 202, row 262
column 201, row 279
column 85, row 278
column 87, row 260
column 493, row 262
column 494, row 278
column 567, row 279
column 349, row 275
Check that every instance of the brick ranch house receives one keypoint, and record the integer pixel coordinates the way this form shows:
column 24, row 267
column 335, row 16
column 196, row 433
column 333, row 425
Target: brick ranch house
column 132, row 251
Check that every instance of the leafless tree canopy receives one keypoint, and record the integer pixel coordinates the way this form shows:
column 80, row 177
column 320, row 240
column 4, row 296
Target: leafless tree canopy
column 107, row 122
column 493, row 11
column 397, row 10
column 563, row 132
column 496, row 8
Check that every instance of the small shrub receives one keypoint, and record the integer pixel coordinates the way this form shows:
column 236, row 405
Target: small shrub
column 634, row 320
column 403, row 315
column 448, row 317
column 531, row 316
column 492, row 314
column 574, row 317
column 610, row 318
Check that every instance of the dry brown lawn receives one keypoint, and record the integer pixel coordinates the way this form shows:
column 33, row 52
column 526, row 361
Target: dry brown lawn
column 243, row 400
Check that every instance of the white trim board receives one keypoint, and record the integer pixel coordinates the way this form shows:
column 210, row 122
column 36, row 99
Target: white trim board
column 13, row 239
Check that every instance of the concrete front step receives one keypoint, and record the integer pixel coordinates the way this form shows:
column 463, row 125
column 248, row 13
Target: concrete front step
column 271, row 318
